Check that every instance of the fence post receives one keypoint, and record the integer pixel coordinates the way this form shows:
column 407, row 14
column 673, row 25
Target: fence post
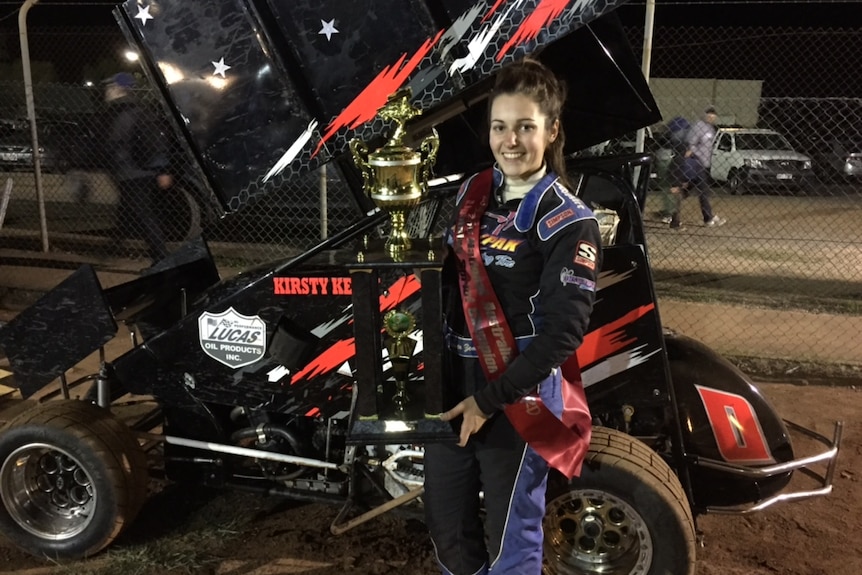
column 324, row 207
column 31, row 115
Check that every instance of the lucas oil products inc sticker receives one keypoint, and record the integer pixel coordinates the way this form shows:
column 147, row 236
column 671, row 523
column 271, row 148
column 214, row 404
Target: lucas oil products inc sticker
column 232, row 338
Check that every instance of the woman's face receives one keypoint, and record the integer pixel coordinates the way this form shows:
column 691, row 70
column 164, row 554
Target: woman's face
column 519, row 135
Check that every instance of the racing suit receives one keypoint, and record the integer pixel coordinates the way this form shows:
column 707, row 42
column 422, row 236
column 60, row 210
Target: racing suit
column 542, row 255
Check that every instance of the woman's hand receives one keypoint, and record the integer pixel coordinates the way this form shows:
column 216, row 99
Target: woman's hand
column 473, row 421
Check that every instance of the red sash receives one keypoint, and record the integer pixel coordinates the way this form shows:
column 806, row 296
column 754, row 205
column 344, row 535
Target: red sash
column 564, row 442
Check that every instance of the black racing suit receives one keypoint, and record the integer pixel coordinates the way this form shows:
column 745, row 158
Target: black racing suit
column 542, row 255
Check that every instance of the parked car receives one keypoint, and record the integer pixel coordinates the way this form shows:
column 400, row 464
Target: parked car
column 63, row 145
column 655, row 143
column 745, row 158
column 838, row 158
column 16, row 153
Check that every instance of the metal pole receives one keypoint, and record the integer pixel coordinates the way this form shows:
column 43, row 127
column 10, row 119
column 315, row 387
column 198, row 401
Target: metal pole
column 324, row 207
column 646, row 59
column 31, row 115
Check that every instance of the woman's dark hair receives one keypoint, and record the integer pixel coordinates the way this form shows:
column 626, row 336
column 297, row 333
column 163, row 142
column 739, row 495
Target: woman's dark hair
column 534, row 80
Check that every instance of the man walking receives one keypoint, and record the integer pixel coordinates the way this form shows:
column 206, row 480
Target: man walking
column 700, row 138
column 139, row 164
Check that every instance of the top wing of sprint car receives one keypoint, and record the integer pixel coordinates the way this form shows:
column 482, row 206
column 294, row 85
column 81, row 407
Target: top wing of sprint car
column 264, row 90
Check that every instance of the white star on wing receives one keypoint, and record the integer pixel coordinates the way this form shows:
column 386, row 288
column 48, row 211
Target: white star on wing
column 328, row 29
column 220, row 68
column 143, row 14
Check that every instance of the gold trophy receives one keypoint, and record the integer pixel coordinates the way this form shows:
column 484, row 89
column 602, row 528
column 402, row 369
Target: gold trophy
column 398, row 325
column 395, row 176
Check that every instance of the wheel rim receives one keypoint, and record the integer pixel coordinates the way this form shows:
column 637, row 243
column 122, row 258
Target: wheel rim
column 47, row 491
column 588, row 531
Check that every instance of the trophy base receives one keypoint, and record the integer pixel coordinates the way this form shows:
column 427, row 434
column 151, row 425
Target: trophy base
column 396, row 424
column 388, row 431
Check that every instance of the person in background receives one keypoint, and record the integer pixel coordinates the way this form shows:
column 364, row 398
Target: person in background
column 524, row 256
column 700, row 139
column 679, row 177
column 139, row 164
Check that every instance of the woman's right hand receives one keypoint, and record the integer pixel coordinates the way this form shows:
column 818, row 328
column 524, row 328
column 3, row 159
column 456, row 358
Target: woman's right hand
column 473, row 420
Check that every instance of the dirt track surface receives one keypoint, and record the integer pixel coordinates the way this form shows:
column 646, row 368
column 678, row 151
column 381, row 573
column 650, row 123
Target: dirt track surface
column 191, row 531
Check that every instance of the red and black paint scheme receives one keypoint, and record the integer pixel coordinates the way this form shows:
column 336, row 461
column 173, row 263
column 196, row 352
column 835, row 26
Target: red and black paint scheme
column 259, row 95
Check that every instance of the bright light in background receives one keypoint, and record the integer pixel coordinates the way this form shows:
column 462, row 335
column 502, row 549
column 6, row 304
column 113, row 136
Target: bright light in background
column 171, row 73
column 131, row 55
column 88, row 84
column 217, row 83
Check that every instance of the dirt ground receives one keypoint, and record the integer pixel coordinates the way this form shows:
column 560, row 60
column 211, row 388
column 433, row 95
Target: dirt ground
column 229, row 533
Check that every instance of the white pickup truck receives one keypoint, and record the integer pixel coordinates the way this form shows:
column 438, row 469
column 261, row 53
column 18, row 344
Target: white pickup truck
column 746, row 158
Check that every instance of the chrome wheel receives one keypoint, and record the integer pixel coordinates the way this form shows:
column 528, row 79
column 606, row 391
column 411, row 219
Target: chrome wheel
column 589, row 531
column 47, row 491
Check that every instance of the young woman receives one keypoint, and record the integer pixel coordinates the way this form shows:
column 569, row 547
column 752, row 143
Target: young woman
column 526, row 253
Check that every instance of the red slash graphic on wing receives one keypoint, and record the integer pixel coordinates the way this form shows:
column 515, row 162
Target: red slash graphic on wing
column 609, row 338
column 363, row 108
column 538, row 19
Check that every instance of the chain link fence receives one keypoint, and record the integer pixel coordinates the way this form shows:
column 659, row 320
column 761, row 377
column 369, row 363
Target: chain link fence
column 785, row 180
column 786, row 173
column 87, row 209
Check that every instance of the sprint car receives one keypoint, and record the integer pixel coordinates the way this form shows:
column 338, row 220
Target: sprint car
column 255, row 375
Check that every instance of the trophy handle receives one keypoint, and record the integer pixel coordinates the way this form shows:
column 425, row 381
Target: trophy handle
column 429, row 148
column 360, row 157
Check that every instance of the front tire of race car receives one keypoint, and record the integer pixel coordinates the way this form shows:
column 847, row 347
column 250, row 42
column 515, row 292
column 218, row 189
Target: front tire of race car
column 626, row 514
column 72, row 477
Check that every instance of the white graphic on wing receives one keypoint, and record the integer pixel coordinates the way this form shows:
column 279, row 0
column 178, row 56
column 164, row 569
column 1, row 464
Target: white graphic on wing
column 615, row 364
column 459, row 27
column 580, row 6
column 292, row 152
column 276, row 374
column 477, row 45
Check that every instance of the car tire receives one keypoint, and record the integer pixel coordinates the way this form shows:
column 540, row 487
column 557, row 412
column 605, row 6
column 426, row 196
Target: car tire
column 735, row 182
column 72, row 477
column 626, row 513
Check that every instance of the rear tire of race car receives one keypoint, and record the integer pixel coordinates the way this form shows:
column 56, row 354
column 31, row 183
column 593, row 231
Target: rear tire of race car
column 626, row 514
column 72, row 477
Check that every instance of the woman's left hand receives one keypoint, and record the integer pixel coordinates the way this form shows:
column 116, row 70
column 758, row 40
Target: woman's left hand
column 473, row 421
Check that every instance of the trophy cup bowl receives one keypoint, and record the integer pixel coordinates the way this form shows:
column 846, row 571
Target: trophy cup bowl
column 395, row 176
